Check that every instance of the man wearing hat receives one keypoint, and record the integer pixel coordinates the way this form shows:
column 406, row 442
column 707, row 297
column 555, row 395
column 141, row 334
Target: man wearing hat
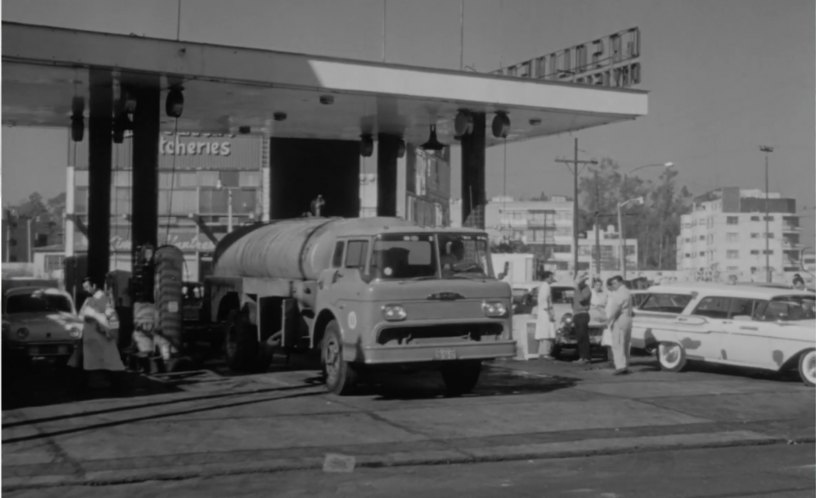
column 580, row 317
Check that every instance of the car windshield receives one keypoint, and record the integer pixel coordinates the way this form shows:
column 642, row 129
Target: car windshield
column 786, row 308
column 37, row 302
column 464, row 255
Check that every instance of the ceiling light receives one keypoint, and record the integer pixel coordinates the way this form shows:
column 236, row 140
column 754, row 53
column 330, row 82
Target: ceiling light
column 500, row 125
column 326, row 99
column 366, row 145
column 463, row 123
column 432, row 143
column 174, row 104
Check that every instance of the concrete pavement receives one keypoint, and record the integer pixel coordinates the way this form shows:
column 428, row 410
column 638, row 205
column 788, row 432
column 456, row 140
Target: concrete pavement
column 206, row 423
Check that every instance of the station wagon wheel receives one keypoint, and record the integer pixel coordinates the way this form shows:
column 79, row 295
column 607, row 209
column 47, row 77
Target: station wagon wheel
column 340, row 375
column 807, row 367
column 671, row 356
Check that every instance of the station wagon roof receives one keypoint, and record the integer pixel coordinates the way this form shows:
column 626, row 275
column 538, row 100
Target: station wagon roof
column 707, row 288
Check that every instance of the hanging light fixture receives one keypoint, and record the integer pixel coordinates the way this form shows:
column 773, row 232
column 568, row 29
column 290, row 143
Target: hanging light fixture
column 174, row 104
column 366, row 145
column 400, row 148
column 432, row 143
column 77, row 119
column 500, row 125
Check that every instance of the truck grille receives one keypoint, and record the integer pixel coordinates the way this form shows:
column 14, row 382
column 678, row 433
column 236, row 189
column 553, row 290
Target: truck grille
column 438, row 333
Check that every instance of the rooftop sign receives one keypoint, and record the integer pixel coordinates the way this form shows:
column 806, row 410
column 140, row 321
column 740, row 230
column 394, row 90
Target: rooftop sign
column 611, row 61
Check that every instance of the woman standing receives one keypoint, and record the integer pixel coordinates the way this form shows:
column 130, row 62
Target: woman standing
column 99, row 337
column 545, row 320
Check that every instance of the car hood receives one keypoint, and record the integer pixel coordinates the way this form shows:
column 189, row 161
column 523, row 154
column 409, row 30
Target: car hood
column 40, row 320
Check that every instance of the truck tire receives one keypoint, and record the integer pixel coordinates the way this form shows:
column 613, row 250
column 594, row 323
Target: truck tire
column 461, row 377
column 807, row 367
column 339, row 375
column 240, row 342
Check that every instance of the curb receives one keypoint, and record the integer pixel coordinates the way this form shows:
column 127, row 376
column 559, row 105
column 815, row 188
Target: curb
column 560, row 449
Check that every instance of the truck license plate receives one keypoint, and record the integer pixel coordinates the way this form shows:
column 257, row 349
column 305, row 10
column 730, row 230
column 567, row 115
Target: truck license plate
column 445, row 354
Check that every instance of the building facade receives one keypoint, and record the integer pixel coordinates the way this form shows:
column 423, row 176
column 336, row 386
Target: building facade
column 546, row 227
column 208, row 180
column 724, row 237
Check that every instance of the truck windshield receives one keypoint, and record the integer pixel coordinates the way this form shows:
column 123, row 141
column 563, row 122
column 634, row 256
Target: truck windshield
column 400, row 256
column 464, row 255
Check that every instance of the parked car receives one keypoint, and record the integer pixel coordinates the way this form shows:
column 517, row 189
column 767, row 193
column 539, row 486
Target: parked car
column 39, row 322
column 752, row 326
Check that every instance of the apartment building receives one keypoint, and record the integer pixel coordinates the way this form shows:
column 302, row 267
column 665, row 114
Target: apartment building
column 724, row 237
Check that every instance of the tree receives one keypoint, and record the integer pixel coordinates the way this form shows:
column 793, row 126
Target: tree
column 656, row 224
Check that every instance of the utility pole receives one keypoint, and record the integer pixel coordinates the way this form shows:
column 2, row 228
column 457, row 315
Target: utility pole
column 597, row 229
column 575, row 163
column 767, row 150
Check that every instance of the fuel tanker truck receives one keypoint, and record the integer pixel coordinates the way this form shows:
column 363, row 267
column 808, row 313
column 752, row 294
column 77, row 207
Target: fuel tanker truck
column 370, row 293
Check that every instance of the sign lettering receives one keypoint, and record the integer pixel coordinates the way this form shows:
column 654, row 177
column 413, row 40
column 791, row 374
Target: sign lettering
column 178, row 147
column 610, row 61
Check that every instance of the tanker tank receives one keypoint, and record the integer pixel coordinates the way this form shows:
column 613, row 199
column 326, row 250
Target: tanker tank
column 297, row 249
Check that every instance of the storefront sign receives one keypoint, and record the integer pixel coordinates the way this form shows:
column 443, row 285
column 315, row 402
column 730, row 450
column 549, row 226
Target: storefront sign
column 187, row 242
column 610, row 61
column 194, row 146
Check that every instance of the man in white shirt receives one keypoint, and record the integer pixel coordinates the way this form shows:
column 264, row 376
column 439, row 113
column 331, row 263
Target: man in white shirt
column 545, row 319
column 619, row 316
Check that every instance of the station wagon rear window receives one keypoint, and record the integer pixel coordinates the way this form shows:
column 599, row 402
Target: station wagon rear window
column 666, row 303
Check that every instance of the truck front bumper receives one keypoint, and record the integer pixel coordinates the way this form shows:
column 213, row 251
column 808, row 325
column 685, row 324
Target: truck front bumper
column 425, row 353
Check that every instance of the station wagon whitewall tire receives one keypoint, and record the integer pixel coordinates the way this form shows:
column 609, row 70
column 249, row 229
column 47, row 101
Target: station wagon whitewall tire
column 340, row 376
column 807, row 367
column 671, row 356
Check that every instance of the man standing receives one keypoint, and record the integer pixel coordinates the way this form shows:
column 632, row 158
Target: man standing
column 545, row 319
column 619, row 316
column 580, row 317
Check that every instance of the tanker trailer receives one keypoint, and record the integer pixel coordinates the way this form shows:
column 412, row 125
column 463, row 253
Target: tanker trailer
column 370, row 293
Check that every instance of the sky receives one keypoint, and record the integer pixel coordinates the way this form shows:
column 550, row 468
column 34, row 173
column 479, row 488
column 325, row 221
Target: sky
column 723, row 76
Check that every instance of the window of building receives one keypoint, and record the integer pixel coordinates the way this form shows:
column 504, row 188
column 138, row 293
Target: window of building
column 770, row 235
column 768, row 218
column 754, row 218
column 702, row 237
column 754, row 251
column 768, row 252
column 732, row 220
column 53, row 262
column 81, row 200
column 561, row 248
column 754, row 235
column 732, row 254
column 732, row 237
column 702, row 253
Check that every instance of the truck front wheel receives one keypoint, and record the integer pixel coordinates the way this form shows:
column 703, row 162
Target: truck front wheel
column 240, row 342
column 460, row 377
column 339, row 374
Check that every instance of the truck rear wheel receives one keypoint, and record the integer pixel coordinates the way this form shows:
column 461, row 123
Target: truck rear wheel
column 340, row 376
column 461, row 377
column 240, row 342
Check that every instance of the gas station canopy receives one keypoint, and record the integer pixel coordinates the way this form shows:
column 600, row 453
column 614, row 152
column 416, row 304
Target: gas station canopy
column 241, row 90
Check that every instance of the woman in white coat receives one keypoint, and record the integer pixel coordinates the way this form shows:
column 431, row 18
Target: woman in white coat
column 545, row 320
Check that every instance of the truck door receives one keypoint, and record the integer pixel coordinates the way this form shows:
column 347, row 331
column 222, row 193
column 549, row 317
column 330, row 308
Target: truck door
column 340, row 286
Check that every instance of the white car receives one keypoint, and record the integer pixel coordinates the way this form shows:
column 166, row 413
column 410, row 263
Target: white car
column 752, row 326
column 39, row 322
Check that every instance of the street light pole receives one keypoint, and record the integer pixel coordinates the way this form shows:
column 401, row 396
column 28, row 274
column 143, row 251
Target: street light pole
column 229, row 210
column 621, row 240
column 767, row 150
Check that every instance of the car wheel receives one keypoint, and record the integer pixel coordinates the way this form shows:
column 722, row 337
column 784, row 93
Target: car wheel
column 461, row 377
column 807, row 367
column 671, row 356
column 340, row 376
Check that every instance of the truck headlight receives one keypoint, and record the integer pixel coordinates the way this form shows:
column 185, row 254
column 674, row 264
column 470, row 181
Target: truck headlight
column 394, row 312
column 22, row 333
column 494, row 309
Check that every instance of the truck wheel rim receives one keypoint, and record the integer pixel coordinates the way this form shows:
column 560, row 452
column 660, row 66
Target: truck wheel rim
column 669, row 355
column 332, row 359
column 809, row 367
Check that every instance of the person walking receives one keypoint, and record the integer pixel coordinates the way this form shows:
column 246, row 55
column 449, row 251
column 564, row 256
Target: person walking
column 545, row 317
column 619, row 316
column 580, row 318
column 99, row 350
